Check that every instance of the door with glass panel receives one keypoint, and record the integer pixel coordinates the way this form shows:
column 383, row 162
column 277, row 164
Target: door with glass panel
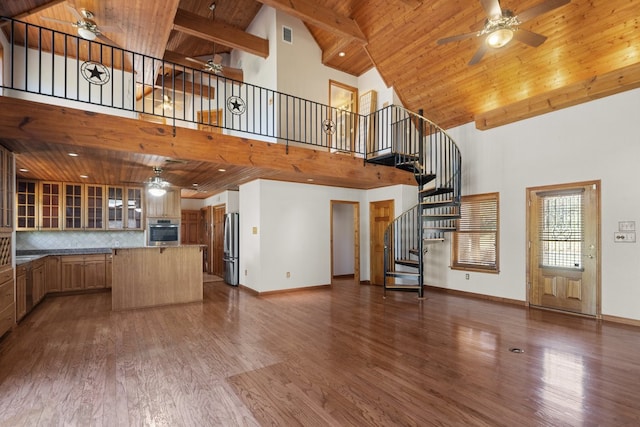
column 564, row 247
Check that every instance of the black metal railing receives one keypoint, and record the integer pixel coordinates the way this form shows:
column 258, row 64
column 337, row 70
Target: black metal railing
column 40, row 62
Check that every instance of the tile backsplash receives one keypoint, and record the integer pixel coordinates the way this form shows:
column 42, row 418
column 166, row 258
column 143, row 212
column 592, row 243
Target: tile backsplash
column 29, row 240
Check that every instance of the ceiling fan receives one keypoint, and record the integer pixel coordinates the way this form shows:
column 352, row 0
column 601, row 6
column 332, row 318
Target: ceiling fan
column 214, row 64
column 502, row 25
column 156, row 185
column 86, row 25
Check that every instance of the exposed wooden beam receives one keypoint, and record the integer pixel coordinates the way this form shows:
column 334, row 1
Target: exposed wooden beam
column 334, row 50
column 597, row 87
column 33, row 122
column 37, row 9
column 218, row 32
column 310, row 12
column 180, row 85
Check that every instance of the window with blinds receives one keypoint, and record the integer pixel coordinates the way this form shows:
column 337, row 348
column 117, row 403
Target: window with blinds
column 561, row 230
column 475, row 244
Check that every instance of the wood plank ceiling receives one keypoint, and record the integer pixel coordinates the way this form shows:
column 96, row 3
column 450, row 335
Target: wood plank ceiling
column 592, row 47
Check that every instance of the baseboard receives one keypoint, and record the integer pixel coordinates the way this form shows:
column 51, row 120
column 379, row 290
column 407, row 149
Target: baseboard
column 343, row 276
column 621, row 320
column 476, row 296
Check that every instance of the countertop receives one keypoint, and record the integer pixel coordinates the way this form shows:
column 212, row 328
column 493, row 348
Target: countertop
column 24, row 256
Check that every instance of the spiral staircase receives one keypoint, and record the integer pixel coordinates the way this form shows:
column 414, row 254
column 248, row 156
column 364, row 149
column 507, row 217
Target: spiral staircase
column 417, row 145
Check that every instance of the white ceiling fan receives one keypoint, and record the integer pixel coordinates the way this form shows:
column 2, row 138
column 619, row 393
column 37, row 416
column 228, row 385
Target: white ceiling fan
column 214, row 64
column 502, row 25
column 87, row 27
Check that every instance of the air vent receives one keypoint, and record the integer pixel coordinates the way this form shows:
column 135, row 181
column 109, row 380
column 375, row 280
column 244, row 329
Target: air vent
column 287, row 35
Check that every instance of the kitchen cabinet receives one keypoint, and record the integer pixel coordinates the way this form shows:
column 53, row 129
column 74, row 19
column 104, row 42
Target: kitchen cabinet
column 52, row 274
column 73, row 206
column 37, row 281
column 94, row 206
column 79, row 272
column 124, row 208
column 7, row 305
column 50, row 205
column 166, row 206
column 7, row 180
column 21, row 291
column 26, row 205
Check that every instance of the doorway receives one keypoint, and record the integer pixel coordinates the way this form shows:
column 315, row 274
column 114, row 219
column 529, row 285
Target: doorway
column 344, row 100
column 380, row 216
column 345, row 240
column 563, row 229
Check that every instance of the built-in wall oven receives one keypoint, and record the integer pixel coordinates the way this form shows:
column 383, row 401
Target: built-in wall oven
column 163, row 232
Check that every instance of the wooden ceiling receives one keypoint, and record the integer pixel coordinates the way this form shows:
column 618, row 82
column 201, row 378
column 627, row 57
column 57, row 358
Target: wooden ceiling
column 592, row 47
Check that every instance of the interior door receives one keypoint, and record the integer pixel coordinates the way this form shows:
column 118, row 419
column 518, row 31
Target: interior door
column 380, row 215
column 564, row 246
column 344, row 100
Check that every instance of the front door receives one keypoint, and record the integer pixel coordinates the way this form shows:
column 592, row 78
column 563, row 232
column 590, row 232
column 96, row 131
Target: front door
column 380, row 215
column 564, row 247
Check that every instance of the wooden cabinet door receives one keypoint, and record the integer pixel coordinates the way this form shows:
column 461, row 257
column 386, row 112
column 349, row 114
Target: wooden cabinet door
column 167, row 205
column 190, row 228
column 72, row 272
column 109, row 271
column 37, row 282
column 21, row 293
column 50, row 206
column 26, row 205
column 52, row 276
column 73, row 206
column 94, row 272
column 94, row 207
column 7, row 178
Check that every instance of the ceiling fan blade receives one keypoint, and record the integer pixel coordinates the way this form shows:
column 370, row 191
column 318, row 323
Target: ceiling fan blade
column 540, row 9
column 479, row 53
column 529, row 37
column 59, row 21
column 74, row 12
column 109, row 29
column 196, row 61
column 492, row 8
column 456, row 38
column 233, row 73
column 107, row 40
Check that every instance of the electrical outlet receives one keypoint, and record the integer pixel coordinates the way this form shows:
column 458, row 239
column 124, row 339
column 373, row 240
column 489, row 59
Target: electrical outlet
column 288, row 274
column 466, row 276
column 246, row 272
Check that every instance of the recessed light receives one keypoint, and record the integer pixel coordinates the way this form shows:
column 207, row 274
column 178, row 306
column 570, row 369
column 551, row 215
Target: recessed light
column 309, row 179
column 84, row 176
column 222, row 170
column 341, row 54
column 73, row 154
column 23, row 170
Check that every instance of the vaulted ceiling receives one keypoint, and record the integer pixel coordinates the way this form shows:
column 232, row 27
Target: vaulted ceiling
column 592, row 47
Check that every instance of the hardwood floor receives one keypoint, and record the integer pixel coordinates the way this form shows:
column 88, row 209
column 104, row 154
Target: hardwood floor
column 339, row 356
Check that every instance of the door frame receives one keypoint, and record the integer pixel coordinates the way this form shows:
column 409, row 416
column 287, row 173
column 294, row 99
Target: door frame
column 529, row 235
column 356, row 237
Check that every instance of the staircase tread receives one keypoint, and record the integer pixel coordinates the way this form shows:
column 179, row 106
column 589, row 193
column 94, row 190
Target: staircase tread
column 400, row 274
column 408, row 262
column 402, row 287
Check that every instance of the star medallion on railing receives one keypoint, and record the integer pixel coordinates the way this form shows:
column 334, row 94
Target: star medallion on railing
column 95, row 73
column 236, row 105
column 329, row 127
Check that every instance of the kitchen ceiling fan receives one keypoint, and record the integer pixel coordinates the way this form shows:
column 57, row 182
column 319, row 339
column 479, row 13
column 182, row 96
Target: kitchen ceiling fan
column 156, row 185
column 87, row 27
column 502, row 25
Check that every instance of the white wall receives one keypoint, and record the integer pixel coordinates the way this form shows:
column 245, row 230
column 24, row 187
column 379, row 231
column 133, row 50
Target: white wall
column 599, row 140
column 294, row 231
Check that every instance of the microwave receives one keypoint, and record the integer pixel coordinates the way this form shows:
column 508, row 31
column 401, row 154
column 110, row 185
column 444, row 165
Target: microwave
column 163, row 232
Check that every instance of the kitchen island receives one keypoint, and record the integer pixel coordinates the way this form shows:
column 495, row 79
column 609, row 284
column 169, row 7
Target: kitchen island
column 153, row 276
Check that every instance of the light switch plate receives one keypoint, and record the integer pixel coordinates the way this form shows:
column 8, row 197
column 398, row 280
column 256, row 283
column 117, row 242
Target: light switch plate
column 626, row 226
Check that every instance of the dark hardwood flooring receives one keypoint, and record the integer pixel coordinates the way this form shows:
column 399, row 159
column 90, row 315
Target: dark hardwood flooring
column 326, row 357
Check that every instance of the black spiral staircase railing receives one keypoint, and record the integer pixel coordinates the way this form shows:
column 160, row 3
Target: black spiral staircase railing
column 420, row 146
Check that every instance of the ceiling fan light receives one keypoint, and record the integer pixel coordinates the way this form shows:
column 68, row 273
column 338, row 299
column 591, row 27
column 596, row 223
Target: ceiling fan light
column 86, row 34
column 157, row 191
column 499, row 37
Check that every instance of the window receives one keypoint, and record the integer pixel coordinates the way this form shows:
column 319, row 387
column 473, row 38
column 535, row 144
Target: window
column 475, row 244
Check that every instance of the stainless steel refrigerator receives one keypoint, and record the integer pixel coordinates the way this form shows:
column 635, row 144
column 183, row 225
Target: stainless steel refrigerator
column 231, row 249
